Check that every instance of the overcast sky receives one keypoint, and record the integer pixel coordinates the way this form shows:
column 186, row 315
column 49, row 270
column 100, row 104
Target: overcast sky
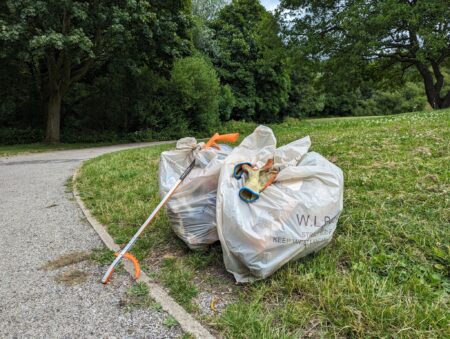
column 270, row 4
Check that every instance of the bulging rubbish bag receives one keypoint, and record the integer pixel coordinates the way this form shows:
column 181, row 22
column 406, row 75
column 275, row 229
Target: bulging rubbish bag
column 294, row 216
column 192, row 208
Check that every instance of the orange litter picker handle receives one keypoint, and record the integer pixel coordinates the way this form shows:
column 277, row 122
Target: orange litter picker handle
column 212, row 142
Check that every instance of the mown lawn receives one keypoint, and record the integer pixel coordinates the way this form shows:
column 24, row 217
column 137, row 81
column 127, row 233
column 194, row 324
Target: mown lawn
column 9, row 150
column 386, row 273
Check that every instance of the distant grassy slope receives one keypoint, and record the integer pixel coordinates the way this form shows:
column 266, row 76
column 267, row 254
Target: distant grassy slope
column 386, row 273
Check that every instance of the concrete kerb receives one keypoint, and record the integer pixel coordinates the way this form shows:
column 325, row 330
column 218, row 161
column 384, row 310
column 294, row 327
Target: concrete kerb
column 187, row 322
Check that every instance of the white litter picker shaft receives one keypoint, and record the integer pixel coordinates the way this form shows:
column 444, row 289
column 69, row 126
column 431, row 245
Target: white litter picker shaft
column 212, row 142
column 133, row 240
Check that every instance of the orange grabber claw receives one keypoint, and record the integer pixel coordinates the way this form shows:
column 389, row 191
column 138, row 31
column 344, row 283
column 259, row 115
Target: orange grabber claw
column 132, row 258
column 212, row 142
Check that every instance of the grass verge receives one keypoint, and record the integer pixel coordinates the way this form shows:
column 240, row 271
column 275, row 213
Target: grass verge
column 9, row 150
column 386, row 273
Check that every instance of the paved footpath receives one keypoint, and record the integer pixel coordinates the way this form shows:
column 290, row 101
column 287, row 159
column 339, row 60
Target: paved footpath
column 40, row 222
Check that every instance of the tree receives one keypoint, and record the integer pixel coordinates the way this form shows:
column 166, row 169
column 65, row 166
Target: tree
column 306, row 96
column 248, row 55
column 196, row 92
column 170, row 38
column 271, row 74
column 130, row 91
column 412, row 33
column 207, row 9
column 61, row 40
column 226, row 102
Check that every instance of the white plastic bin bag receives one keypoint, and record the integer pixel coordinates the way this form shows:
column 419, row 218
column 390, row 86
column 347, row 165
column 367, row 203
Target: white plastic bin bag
column 294, row 216
column 192, row 208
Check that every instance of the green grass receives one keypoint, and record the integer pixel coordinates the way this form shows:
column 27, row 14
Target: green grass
column 170, row 322
column 102, row 256
column 385, row 274
column 137, row 296
column 9, row 150
column 178, row 278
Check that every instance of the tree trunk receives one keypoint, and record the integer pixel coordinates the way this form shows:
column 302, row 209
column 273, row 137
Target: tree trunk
column 435, row 99
column 53, row 118
column 433, row 88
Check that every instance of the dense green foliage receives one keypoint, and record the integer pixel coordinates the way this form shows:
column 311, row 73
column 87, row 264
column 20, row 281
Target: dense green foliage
column 207, row 9
column 359, row 35
column 154, row 69
column 249, row 57
column 60, row 41
column 88, row 63
column 196, row 93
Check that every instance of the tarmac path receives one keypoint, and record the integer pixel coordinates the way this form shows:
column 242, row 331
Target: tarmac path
column 39, row 223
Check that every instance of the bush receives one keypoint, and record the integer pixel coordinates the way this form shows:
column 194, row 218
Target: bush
column 406, row 99
column 89, row 136
column 12, row 136
column 195, row 93
column 414, row 98
column 227, row 101
column 375, row 101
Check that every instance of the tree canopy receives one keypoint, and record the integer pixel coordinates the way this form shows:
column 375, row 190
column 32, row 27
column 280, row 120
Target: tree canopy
column 87, row 70
column 60, row 41
column 249, row 58
column 207, row 9
column 412, row 33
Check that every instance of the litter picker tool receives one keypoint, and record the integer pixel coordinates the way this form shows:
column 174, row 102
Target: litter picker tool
column 212, row 142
